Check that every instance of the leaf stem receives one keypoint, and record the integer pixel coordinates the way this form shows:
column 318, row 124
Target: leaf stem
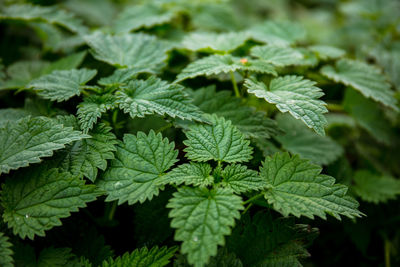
column 253, row 198
column 387, row 253
column 235, row 87
column 247, row 208
column 334, row 107
column 163, row 128
column 113, row 208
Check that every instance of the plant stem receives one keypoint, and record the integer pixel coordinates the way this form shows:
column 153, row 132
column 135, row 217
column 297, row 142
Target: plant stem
column 387, row 253
column 165, row 127
column 253, row 198
column 235, row 88
column 334, row 107
column 113, row 208
column 247, row 208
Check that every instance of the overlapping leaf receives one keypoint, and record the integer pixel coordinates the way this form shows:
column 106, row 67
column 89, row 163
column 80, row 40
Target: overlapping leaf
column 139, row 162
column 326, row 52
column 216, row 64
column 35, row 199
column 208, row 41
column 202, row 218
column 29, row 139
column 61, row 85
column 250, row 122
column 365, row 78
column 295, row 95
column 155, row 257
column 298, row 139
column 375, row 188
column 52, row 15
column 6, row 259
column 93, row 107
column 295, row 186
column 197, row 174
column 220, row 141
column 277, row 33
column 139, row 51
column 138, row 16
column 240, row 179
column 154, row 96
column 277, row 55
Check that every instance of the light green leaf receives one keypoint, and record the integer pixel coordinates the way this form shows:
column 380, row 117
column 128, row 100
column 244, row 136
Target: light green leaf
column 29, row 139
column 367, row 79
column 193, row 173
column 216, row 64
column 154, row 96
column 22, row 72
column 61, row 85
column 369, row 115
column 277, row 55
column 220, row 141
column 93, row 107
column 48, row 14
column 155, row 257
column 139, row 162
column 250, row 122
column 295, row 186
column 35, row 199
column 122, row 76
column 375, row 188
column 240, row 179
column 295, row 95
column 12, row 114
column 85, row 157
column 298, row 139
column 139, row 51
column 138, row 16
column 326, row 52
column 282, row 33
column 209, row 41
column 6, row 259
column 66, row 63
column 202, row 218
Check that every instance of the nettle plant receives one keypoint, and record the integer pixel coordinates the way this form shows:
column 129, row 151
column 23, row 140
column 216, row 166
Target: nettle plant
column 146, row 128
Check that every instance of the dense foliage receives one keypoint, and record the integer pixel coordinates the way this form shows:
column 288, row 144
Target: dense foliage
column 199, row 133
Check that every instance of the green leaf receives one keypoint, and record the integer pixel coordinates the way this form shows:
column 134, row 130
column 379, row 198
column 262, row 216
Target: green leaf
column 326, row 52
column 216, row 64
column 22, row 72
column 35, row 199
column 196, row 174
column 93, row 107
column 139, row 51
column 12, row 114
column 139, row 162
column 29, row 139
column 6, row 259
column 209, row 42
column 367, row 79
column 295, row 186
column 277, row 55
column 50, row 257
column 265, row 241
column 154, row 96
column 66, row 63
column 137, row 16
column 282, row 33
column 295, row 95
column 250, row 122
column 298, row 139
column 240, row 179
column 202, row 218
column 155, row 257
column 369, row 115
column 61, row 85
column 48, row 14
column 122, row 76
column 375, row 188
column 85, row 157
column 220, row 141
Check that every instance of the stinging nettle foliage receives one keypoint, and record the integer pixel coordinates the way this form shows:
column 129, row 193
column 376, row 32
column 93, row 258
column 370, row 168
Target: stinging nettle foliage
column 183, row 136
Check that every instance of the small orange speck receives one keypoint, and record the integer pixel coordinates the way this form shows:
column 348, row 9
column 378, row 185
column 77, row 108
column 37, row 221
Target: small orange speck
column 243, row 60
